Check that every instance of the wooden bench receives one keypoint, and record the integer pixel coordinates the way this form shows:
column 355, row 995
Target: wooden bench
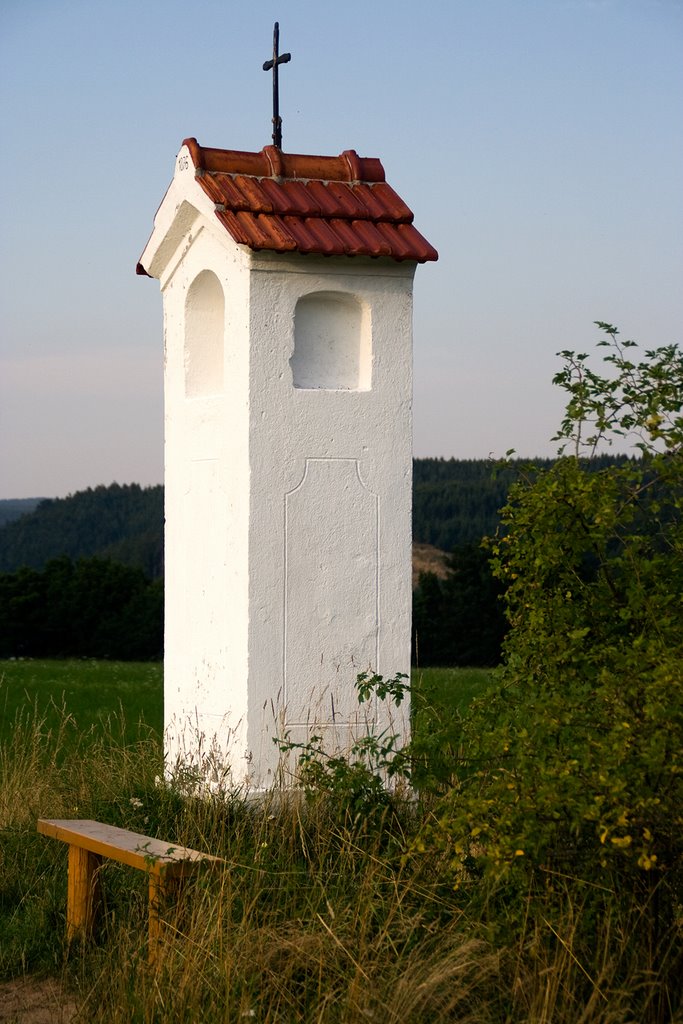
column 89, row 841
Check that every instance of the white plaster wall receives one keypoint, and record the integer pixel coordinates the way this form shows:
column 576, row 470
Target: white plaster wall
column 330, row 525
column 207, row 512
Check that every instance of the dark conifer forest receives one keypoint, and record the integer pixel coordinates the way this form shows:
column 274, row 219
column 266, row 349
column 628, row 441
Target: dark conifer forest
column 83, row 575
column 12, row 508
column 124, row 523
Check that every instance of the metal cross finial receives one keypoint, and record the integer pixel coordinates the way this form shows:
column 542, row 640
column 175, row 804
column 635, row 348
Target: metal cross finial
column 278, row 59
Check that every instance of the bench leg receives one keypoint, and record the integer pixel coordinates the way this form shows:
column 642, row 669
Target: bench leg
column 156, row 898
column 162, row 887
column 83, row 893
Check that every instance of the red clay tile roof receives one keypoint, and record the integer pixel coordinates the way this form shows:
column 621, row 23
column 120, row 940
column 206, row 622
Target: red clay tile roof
column 332, row 206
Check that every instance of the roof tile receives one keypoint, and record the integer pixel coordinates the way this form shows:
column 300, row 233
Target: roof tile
column 253, row 197
column 332, row 206
column 292, row 197
column 221, row 189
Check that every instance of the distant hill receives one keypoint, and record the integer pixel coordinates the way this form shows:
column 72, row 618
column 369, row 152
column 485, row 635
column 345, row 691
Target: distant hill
column 455, row 502
column 12, row 508
column 125, row 522
column 121, row 522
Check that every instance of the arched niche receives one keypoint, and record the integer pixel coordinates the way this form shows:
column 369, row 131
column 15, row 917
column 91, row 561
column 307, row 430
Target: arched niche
column 332, row 344
column 204, row 336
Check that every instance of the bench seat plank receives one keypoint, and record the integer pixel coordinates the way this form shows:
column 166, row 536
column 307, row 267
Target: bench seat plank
column 132, row 848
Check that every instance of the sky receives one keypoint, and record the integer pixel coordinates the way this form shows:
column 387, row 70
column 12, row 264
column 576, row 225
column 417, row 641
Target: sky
column 538, row 143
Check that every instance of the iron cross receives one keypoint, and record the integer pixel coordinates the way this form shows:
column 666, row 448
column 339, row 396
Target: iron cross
column 278, row 59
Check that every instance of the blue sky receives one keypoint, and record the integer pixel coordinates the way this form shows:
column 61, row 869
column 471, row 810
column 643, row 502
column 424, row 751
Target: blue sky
column 538, row 143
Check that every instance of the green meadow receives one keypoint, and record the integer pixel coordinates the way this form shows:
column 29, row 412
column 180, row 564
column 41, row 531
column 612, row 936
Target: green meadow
column 331, row 906
column 90, row 692
column 87, row 691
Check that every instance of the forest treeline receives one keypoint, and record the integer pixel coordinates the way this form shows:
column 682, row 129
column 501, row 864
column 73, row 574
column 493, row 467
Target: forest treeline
column 124, row 523
column 89, row 608
column 82, row 575
column 455, row 502
column 458, row 501
column 12, row 508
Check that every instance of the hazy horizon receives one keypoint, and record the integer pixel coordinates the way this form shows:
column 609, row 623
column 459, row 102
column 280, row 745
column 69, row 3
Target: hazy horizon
column 539, row 146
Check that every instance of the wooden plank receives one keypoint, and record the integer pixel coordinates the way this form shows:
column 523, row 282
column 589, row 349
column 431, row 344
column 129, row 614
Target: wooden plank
column 132, row 848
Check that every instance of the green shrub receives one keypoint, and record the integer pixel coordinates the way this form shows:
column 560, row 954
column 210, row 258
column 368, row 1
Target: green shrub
column 571, row 765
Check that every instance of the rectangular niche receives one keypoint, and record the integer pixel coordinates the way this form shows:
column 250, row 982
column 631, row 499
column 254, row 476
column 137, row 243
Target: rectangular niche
column 332, row 343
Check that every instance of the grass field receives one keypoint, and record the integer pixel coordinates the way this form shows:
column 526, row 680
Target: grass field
column 88, row 691
column 451, row 689
column 329, row 909
column 131, row 693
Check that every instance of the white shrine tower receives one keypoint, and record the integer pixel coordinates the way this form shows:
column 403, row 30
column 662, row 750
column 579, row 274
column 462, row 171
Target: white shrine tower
column 287, row 288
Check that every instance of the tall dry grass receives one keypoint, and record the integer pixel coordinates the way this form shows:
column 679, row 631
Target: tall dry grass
column 317, row 914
